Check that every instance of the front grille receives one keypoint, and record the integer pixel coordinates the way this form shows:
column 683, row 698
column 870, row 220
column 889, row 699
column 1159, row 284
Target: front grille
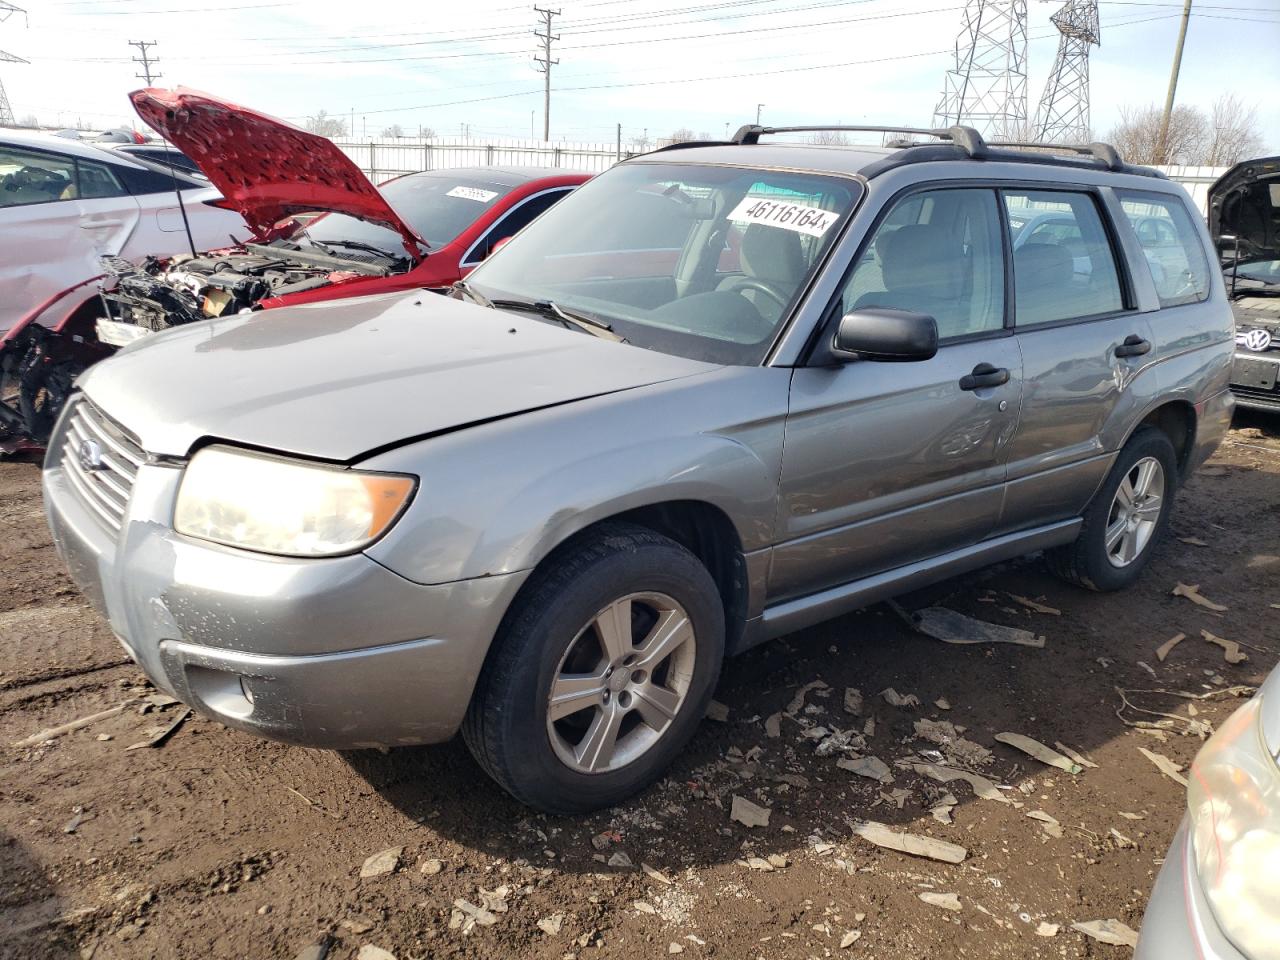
column 100, row 459
column 1267, row 398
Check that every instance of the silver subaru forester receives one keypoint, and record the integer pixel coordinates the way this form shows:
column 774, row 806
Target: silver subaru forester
column 721, row 392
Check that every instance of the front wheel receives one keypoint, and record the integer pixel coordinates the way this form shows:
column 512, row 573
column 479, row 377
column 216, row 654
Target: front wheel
column 601, row 672
column 1125, row 519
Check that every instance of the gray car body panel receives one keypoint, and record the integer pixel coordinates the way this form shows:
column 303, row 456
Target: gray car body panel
column 336, row 380
column 844, row 484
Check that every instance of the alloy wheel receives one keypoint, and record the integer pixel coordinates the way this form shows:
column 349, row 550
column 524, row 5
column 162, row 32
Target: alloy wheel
column 621, row 682
column 1135, row 511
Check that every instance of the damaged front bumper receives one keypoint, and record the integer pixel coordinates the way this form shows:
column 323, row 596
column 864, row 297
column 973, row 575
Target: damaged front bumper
column 336, row 653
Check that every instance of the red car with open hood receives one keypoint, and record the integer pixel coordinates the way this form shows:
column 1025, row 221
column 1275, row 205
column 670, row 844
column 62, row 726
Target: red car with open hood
column 322, row 231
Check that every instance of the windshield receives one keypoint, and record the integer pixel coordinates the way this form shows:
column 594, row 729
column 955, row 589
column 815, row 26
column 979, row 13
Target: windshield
column 437, row 206
column 696, row 260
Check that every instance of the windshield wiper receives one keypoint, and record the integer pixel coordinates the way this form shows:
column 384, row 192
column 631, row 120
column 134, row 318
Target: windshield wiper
column 553, row 311
column 360, row 245
column 472, row 294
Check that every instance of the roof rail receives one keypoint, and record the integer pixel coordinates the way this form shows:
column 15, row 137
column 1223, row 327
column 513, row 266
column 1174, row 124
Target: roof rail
column 1105, row 152
column 967, row 138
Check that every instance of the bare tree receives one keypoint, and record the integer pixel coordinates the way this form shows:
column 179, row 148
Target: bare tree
column 395, row 131
column 704, row 135
column 30, row 120
column 829, row 138
column 427, row 132
column 640, row 144
column 327, row 126
column 681, row 135
column 1137, row 135
column 1233, row 132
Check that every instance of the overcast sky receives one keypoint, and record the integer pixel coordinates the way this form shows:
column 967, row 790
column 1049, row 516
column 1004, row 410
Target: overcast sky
column 647, row 64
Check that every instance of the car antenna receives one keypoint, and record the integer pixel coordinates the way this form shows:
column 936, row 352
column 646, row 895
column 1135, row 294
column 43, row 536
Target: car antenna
column 177, row 192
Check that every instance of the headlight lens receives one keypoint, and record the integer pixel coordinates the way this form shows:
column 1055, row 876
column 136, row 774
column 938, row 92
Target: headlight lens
column 289, row 507
column 1234, row 801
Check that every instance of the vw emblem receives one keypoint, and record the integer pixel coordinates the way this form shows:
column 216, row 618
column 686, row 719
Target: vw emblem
column 1256, row 340
column 90, row 455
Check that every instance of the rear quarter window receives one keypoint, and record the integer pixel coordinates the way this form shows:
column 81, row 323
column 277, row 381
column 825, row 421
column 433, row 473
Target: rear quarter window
column 1171, row 245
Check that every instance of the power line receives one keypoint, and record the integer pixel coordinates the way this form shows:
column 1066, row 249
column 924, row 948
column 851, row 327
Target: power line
column 145, row 59
column 545, row 64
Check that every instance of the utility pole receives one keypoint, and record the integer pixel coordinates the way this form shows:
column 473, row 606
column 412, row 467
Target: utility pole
column 619, row 143
column 545, row 63
column 1162, row 145
column 146, row 60
column 759, row 107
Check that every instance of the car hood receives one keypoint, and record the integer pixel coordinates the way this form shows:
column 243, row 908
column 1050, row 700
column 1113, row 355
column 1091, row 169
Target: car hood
column 266, row 168
column 1240, row 203
column 340, row 380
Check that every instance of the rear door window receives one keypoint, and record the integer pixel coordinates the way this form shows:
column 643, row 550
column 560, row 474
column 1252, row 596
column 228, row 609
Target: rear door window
column 98, row 181
column 1064, row 267
column 1171, row 245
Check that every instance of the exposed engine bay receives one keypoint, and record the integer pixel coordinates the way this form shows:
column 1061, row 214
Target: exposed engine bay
column 169, row 291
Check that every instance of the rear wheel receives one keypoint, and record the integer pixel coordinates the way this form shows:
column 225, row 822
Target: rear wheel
column 1125, row 519
column 601, row 672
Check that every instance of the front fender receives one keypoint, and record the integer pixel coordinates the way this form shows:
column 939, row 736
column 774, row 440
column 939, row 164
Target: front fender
column 499, row 497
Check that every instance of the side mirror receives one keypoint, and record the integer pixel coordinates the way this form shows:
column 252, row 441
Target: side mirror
column 874, row 333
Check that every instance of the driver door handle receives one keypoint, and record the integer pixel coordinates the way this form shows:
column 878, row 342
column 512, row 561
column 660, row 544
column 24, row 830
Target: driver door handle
column 984, row 375
column 1133, row 346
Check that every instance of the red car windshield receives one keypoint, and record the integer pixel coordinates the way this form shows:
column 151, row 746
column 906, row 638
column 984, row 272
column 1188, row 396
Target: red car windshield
column 437, row 205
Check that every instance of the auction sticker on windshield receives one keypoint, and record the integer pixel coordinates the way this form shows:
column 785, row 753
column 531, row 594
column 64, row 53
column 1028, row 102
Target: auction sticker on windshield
column 472, row 193
column 798, row 217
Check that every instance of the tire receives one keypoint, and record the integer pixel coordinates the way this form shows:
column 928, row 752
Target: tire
column 552, row 631
column 1090, row 562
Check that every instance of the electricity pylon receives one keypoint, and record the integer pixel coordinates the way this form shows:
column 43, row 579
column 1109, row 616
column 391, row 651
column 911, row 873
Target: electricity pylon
column 1063, row 114
column 6, row 112
column 987, row 86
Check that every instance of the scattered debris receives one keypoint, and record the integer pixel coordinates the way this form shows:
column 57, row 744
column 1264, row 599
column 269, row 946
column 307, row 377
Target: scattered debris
column 656, row 875
column 773, row 725
column 1150, row 669
column 896, row 699
column 1035, row 748
column 947, row 901
column 495, row 901
column 65, row 728
column 718, row 711
column 370, row 952
column 982, row 787
column 1165, row 766
column 958, row 750
column 849, row 939
column 759, row 863
column 357, row 925
column 1048, row 824
column 78, row 817
column 1122, row 841
column 1166, row 648
column 316, row 951
column 941, row 810
column 918, row 846
column 1230, row 649
column 896, row 797
column 1193, row 541
column 161, row 734
column 466, row 915
column 383, row 862
column 644, row 906
column 797, row 701
column 871, row 767
column 1047, row 929
column 942, row 703
column 1033, row 605
column 951, row 627
column 1075, row 755
column 749, row 814
column 674, row 947
column 1192, row 593
column 1108, row 931
column 431, row 867
column 853, row 701
column 1133, row 816
column 620, row 858
column 551, row 925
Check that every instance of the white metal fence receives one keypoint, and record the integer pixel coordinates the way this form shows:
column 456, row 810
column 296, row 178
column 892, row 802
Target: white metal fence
column 382, row 159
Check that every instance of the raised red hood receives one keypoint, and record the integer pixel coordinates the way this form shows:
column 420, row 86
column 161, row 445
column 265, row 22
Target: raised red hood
column 266, row 168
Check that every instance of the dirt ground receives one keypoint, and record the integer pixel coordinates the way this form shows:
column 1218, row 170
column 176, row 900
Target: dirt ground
column 218, row 845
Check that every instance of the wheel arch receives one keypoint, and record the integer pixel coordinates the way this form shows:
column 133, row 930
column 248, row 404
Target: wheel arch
column 1177, row 420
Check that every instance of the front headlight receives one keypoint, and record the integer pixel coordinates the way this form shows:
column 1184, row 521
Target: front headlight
column 1234, row 801
column 288, row 507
